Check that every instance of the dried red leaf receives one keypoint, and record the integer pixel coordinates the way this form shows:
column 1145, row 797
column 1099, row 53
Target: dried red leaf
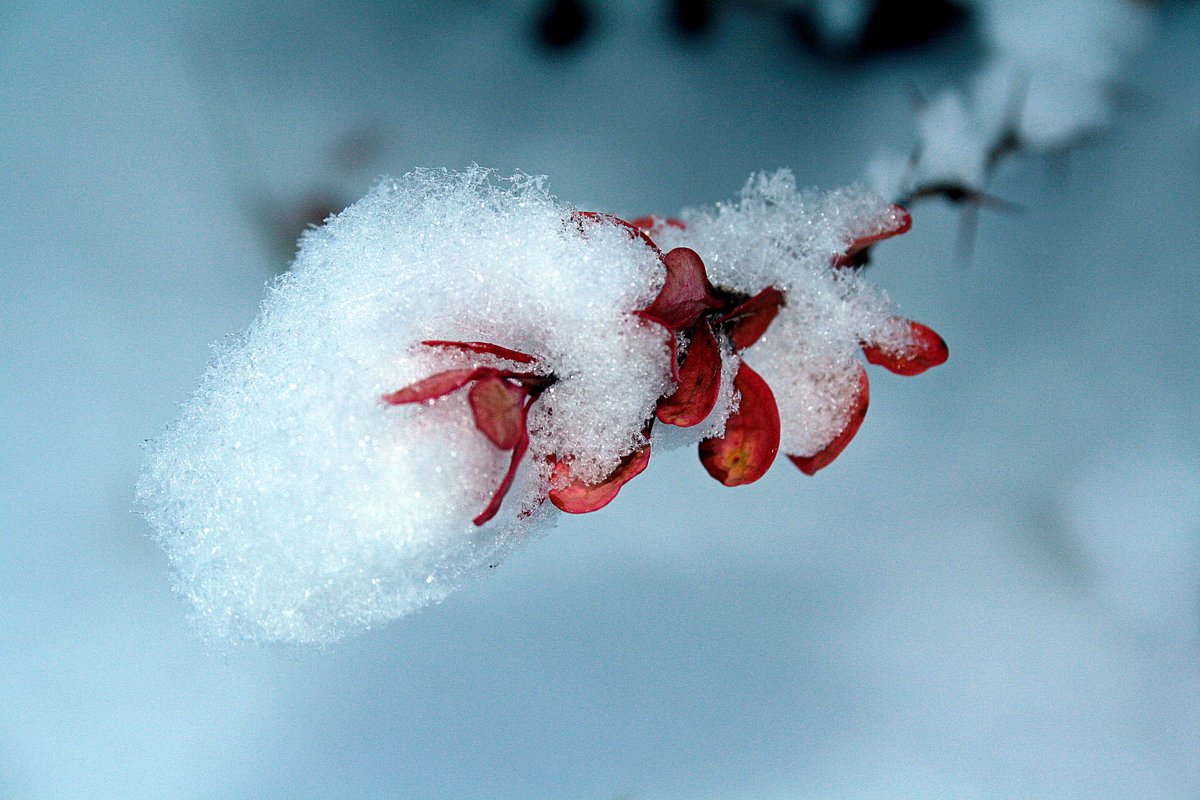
column 750, row 320
column 577, row 497
column 519, row 448
column 484, row 348
column 498, row 409
column 686, row 292
column 648, row 223
column 439, row 385
column 810, row 465
column 851, row 258
column 633, row 230
column 698, row 383
column 751, row 440
column 925, row 351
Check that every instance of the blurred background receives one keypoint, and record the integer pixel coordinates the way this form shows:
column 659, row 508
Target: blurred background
column 994, row 593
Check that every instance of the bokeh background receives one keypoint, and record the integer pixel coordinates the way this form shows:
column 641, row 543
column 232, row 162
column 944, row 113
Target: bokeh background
column 992, row 594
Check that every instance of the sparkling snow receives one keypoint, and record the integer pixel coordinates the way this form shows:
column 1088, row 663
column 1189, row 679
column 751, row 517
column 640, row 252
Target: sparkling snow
column 296, row 506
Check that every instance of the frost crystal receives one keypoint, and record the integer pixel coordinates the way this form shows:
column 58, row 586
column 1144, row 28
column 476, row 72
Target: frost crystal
column 297, row 505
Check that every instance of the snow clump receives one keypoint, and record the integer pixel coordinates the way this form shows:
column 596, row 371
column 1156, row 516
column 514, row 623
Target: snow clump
column 296, row 506
column 777, row 235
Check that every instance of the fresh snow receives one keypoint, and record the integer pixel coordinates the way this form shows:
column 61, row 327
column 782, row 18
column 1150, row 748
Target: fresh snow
column 296, row 506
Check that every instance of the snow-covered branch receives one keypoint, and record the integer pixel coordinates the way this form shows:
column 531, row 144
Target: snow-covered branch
column 456, row 349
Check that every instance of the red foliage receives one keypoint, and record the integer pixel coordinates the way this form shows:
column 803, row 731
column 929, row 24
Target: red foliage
column 688, row 305
column 486, row 348
column 746, row 450
column 686, row 292
column 576, row 497
column 750, row 320
column 498, row 408
column 698, row 383
column 856, row 253
column 925, row 350
column 500, row 401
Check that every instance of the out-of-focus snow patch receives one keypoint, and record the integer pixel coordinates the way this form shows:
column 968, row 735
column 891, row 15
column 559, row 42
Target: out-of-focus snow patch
column 954, row 143
column 840, row 22
column 1048, row 81
column 1061, row 58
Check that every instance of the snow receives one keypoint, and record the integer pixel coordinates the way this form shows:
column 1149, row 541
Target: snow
column 777, row 235
column 296, row 506
column 1052, row 72
column 967, row 604
column 1064, row 58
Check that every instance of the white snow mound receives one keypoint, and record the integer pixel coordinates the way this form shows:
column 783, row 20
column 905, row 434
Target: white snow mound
column 297, row 506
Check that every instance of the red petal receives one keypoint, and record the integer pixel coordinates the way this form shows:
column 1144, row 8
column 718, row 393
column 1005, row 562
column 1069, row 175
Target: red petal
column 443, row 383
column 751, row 440
column 522, row 444
column 686, row 293
column 634, row 231
column 497, row 406
column 901, row 225
column 577, row 497
column 750, row 320
column 699, row 381
column 810, row 465
column 485, row 348
column 926, row 350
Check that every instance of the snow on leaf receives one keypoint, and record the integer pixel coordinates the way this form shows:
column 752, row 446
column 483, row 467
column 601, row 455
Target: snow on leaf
column 612, row 219
column 810, row 465
column 855, row 255
column 672, row 344
column 925, row 350
column 577, row 497
column 483, row 348
column 296, row 504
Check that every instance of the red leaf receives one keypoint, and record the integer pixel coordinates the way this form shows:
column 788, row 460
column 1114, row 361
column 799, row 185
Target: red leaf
column 577, row 497
column 519, row 448
column 901, row 225
column 699, row 381
column 927, row 350
column 484, row 348
column 686, row 293
column 751, row 319
column 648, row 223
column 672, row 344
column 810, row 465
column 497, row 406
column 751, row 440
column 438, row 385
